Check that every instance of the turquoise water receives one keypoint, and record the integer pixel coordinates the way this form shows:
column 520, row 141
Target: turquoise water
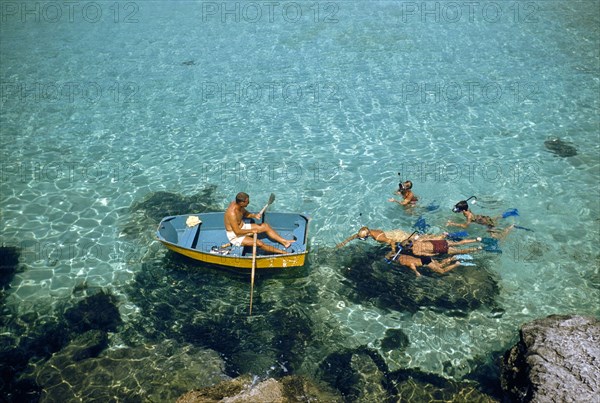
column 321, row 103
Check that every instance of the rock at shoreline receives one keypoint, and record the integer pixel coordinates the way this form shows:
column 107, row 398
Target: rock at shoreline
column 557, row 359
column 243, row 390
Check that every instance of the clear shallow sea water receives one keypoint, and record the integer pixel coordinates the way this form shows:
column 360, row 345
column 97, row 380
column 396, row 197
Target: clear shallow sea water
column 104, row 107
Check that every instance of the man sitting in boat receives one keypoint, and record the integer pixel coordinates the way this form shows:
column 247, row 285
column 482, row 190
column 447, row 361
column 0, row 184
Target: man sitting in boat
column 239, row 232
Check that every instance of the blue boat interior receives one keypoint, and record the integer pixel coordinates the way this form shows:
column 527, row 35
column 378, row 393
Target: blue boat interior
column 209, row 236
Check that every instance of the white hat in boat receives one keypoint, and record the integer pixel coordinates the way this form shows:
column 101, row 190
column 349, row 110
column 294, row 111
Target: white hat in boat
column 192, row 221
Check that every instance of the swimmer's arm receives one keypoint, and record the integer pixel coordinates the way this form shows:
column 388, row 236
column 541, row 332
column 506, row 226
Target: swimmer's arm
column 455, row 224
column 400, row 202
column 344, row 242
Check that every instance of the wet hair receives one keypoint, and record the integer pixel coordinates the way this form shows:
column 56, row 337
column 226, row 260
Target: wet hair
column 363, row 229
column 241, row 197
column 408, row 186
column 463, row 205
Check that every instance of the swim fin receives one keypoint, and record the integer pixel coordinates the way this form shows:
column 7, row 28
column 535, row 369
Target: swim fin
column 511, row 212
column 458, row 235
column 491, row 245
column 464, row 257
column 467, row 264
column 432, row 206
column 421, row 225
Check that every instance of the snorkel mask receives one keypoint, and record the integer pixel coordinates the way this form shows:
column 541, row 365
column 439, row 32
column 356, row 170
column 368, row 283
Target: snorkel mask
column 406, row 244
column 407, row 185
column 463, row 205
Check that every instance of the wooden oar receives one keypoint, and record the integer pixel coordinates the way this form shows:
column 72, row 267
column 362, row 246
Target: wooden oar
column 253, row 270
column 271, row 200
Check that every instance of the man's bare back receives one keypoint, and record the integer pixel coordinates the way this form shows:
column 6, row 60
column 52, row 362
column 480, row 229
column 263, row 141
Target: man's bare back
column 237, row 230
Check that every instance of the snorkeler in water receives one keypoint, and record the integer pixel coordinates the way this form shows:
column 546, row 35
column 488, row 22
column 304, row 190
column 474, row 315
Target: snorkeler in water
column 491, row 223
column 390, row 237
column 463, row 207
column 408, row 197
column 433, row 247
column 364, row 233
column 412, row 262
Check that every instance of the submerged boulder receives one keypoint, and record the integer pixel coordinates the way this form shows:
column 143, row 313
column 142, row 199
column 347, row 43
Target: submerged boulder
column 245, row 389
column 418, row 386
column 152, row 372
column 361, row 376
column 9, row 263
column 389, row 286
column 557, row 359
column 560, row 147
column 161, row 204
column 98, row 311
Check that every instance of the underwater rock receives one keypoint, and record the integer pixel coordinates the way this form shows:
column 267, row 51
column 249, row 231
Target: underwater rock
column 359, row 374
column 189, row 63
column 98, row 311
column 30, row 345
column 243, row 390
column 394, row 339
column 556, row 359
column 292, row 335
column 9, row 262
column 417, row 386
column 389, row 286
column 208, row 308
column 161, row 204
column 559, row 147
column 89, row 344
column 156, row 372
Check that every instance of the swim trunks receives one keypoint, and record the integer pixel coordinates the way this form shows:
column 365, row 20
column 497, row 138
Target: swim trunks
column 439, row 246
column 425, row 260
column 237, row 240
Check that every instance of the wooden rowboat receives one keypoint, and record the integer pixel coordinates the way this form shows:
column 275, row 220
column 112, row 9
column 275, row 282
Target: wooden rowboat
column 202, row 237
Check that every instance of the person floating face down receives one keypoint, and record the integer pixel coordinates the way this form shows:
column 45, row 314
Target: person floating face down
column 435, row 247
column 240, row 233
column 419, row 252
column 463, row 207
column 489, row 222
column 365, row 233
column 412, row 262
column 408, row 197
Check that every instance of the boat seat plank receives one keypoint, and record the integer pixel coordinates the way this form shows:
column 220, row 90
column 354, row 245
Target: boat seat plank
column 186, row 238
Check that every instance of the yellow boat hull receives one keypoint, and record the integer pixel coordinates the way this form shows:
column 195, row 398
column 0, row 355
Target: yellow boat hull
column 262, row 262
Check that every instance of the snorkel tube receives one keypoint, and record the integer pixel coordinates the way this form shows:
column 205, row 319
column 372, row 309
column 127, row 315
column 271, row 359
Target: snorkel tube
column 401, row 186
column 400, row 247
column 463, row 205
